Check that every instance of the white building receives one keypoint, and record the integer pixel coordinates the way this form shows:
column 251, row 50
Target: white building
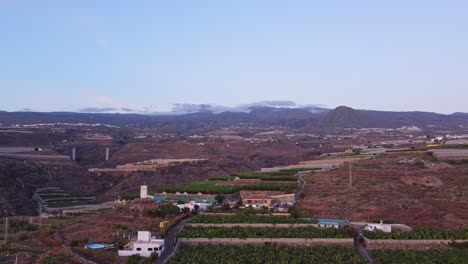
column 386, row 228
column 143, row 246
column 144, row 192
column 191, row 206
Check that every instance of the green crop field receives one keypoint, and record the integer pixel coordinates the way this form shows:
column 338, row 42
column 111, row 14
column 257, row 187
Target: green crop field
column 208, row 254
column 439, row 256
column 252, row 232
column 420, row 233
column 225, row 219
column 213, row 187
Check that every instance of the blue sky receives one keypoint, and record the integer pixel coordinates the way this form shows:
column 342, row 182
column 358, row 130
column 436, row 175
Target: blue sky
column 150, row 55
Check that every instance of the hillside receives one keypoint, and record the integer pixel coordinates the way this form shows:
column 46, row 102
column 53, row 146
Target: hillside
column 343, row 116
column 340, row 117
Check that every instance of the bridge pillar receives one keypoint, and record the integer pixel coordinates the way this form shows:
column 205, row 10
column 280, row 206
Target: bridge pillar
column 107, row 153
column 74, row 154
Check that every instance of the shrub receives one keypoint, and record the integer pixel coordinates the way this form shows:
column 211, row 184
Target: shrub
column 225, row 207
column 133, row 259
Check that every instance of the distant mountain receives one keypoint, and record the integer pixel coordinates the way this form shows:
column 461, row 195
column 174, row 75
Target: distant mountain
column 300, row 118
column 344, row 116
column 459, row 114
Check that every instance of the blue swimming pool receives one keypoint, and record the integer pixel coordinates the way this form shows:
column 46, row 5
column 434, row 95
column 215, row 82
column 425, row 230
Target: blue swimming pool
column 95, row 246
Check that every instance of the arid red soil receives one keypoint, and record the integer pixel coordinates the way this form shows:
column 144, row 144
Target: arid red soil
column 396, row 188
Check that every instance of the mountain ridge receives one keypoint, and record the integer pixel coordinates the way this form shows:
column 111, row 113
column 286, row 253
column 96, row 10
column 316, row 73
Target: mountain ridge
column 340, row 117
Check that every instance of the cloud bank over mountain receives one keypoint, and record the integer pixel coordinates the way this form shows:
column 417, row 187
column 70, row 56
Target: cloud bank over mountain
column 185, row 108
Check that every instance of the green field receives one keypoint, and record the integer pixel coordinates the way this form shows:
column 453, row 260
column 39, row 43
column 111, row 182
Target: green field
column 224, row 219
column 264, row 232
column 439, row 256
column 211, row 187
column 208, row 254
column 420, row 233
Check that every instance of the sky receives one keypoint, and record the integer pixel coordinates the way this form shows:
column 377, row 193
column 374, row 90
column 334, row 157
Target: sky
column 154, row 56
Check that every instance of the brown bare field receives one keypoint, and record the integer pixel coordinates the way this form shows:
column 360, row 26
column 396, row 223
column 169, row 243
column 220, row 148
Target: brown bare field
column 408, row 188
column 102, row 228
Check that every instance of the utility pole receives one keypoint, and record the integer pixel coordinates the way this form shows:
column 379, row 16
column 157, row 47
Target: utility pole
column 350, row 176
column 6, row 230
column 40, row 216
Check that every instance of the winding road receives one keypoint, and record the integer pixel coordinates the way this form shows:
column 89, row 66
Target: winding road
column 169, row 242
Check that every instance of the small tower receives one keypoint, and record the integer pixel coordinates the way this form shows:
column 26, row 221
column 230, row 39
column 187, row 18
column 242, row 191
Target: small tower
column 143, row 192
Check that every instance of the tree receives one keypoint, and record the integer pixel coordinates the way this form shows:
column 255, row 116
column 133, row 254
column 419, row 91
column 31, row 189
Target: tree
column 226, row 206
column 219, row 198
column 264, row 210
column 240, row 203
column 249, row 211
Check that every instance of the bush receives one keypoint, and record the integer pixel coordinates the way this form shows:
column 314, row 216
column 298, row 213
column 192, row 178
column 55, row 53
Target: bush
column 57, row 259
column 225, row 207
column 120, row 226
column 249, row 211
column 23, row 235
column 219, row 198
column 17, row 226
column 133, row 259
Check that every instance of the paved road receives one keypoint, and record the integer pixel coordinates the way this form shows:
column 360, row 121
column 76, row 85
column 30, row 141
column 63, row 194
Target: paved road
column 169, row 242
column 358, row 243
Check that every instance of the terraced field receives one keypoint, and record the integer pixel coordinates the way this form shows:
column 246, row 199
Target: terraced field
column 266, row 254
column 408, row 188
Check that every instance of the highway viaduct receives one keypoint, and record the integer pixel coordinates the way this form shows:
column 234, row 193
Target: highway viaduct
column 76, row 146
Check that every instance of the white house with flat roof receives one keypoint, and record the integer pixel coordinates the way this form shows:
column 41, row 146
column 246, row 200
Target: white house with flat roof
column 143, row 246
column 387, row 228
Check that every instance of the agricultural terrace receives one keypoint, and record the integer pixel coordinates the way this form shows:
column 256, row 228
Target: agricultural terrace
column 282, row 175
column 250, row 232
column 217, row 187
column 266, row 254
column 420, row 233
column 250, row 219
column 434, row 256
column 407, row 187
